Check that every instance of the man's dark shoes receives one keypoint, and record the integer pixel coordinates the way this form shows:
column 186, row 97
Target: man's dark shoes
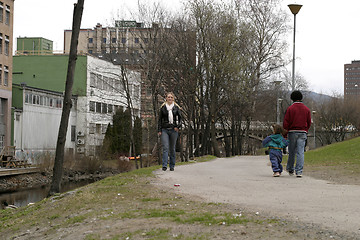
column 171, row 169
column 164, row 168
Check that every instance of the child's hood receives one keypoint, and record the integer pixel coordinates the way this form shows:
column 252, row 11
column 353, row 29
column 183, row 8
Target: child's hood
column 277, row 138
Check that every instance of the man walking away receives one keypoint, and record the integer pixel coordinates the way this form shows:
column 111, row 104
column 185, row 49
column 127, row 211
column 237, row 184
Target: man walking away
column 297, row 122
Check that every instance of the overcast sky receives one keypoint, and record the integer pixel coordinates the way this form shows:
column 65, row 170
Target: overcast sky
column 327, row 35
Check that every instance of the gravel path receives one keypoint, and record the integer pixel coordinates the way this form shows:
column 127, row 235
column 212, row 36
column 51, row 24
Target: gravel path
column 247, row 181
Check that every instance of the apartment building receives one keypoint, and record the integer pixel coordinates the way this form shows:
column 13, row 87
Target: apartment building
column 126, row 37
column 352, row 79
column 6, row 66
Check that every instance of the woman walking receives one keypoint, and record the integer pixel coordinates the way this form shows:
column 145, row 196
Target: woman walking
column 169, row 123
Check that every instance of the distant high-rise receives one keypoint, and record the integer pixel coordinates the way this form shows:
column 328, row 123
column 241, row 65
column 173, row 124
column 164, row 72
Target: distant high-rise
column 125, row 38
column 6, row 68
column 352, row 79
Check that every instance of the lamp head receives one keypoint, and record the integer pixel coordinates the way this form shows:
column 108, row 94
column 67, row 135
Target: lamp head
column 294, row 8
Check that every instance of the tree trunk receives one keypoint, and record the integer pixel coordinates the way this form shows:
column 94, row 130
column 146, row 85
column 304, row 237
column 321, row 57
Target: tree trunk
column 214, row 142
column 60, row 145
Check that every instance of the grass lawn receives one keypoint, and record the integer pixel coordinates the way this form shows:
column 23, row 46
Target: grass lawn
column 339, row 162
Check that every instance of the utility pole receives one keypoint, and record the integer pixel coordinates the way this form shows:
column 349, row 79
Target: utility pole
column 60, row 145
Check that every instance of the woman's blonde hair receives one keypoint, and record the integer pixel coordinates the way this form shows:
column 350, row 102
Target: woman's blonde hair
column 171, row 93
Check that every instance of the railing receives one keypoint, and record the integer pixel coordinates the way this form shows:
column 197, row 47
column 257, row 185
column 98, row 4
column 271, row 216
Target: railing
column 38, row 52
column 7, row 151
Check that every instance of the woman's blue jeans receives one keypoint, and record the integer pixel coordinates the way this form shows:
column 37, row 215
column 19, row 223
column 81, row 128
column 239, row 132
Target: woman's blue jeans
column 168, row 140
column 296, row 148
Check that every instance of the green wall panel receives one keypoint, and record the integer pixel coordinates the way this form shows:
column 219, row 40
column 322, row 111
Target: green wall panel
column 17, row 97
column 49, row 72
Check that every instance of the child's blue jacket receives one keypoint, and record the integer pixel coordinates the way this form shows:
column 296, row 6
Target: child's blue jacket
column 275, row 141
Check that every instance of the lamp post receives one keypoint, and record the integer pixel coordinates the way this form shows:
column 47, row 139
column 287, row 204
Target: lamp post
column 278, row 100
column 314, row 112
column 278, row 110
column 294, row 8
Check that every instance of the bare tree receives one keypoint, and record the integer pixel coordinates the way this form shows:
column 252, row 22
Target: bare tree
column 300, row 82
column 336, row 119
column 59, row 155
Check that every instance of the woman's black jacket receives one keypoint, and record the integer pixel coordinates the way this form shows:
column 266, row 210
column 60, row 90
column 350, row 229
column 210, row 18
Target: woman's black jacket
column 163, row 120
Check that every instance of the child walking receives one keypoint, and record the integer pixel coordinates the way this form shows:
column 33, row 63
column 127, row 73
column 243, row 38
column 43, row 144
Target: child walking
column 276, row 143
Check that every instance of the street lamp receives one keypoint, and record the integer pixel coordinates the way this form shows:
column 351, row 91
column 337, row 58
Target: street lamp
column 313, row 118
column 278, row 101
column 278, row 110
column 294, row 8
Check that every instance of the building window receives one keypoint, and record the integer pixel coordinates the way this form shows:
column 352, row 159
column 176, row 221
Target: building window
column 2, row 141
column 92, row 106
column 26, row 98
column 6, row 75
column 110, row 108
column 92, row 80
column 7, row 45
column 90, row 51
column 146, row 40
column 91, row 40
column 98, row 107
column 136, row 40
column 7, row 16
column 42, row 100
column 1, row 11
column 59, row 103
column 1, row 43
column 113, row 40
column 104, row 40
column 73, row 133
column 98, row 128
column 104, row 108
column 1, row 74
column 123, row 40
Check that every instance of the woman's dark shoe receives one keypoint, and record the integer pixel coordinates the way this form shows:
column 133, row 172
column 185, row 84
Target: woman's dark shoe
column 164, row 168
column 171, row 169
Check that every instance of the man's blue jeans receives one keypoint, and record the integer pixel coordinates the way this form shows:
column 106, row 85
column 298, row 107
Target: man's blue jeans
column 168, row 140
column 296, row 148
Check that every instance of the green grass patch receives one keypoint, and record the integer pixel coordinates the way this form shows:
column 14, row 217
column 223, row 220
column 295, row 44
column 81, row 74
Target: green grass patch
column 205, row 158
column 342, row 153
column 54, row 216
column 342, row 157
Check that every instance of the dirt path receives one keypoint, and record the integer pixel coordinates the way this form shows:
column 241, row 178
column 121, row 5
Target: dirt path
column 247, row 181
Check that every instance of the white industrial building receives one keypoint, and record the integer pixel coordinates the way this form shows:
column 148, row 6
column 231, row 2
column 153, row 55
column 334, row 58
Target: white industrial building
column 38, row 111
